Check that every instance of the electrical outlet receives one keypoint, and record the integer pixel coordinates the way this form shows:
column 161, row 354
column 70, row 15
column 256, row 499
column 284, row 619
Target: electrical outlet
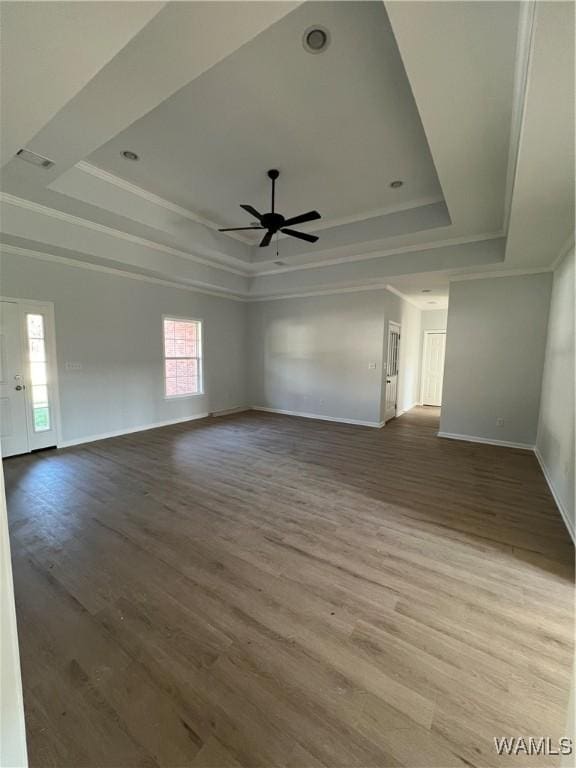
column 500, row 421
column 73, row 366
column 372, row 366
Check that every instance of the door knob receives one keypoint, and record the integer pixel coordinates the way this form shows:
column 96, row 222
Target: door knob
column 19, row 387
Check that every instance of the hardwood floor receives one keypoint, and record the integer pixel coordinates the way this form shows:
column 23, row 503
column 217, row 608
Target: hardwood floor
column 260, row 590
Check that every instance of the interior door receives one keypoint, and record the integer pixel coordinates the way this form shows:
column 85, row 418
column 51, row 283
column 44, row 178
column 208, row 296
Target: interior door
column 392, row 371
column 13, row 403
column 433, row 367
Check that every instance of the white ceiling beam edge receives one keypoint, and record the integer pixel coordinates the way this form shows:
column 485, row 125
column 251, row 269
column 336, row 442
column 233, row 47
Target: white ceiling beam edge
column 31, row 221
column 42, row 66
column 452, row 275
column 178, row 44
column 457, row 102
column 543, row 204
column 356, row 235
column 88, row 240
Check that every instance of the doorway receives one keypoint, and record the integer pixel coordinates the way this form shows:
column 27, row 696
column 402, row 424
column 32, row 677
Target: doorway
column 433, row 367
column 29, row 412
column 392, row 362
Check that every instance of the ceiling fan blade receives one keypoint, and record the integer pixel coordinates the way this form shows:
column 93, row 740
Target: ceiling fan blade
column 266, row 239
column 300, row 235
column 310, row 216
column 237, row 229
column 250, row 209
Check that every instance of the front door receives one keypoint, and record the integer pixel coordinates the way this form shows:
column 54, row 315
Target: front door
column 13, row 424
column 433, row 367
column 392, row 371
column 28, row 401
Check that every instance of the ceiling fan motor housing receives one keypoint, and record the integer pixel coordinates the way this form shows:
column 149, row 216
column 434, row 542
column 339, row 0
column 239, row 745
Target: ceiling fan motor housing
column 273, row 221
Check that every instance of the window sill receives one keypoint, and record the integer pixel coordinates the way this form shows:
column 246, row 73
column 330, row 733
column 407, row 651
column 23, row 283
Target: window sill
column 183, row 397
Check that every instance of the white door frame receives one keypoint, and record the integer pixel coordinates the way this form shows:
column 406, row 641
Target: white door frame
column 427, row 334
column 52, row 361
column 392, row 323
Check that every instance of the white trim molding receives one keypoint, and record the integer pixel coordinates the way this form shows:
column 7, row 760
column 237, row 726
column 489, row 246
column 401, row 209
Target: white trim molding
column 303, row 415
column 54, row 213
column 563, row 252
column 150, row 197
column 188, row 213
column 190, row 285
column 401, row 295
column 523, row 58
column 486, row 441
column 377, row 252
column 129, row 430
column 489, row 274
column 561, row 508
column 230, row 411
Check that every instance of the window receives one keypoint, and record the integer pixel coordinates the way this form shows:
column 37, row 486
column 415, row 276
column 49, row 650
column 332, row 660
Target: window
column 182, row 357
column 38, row 372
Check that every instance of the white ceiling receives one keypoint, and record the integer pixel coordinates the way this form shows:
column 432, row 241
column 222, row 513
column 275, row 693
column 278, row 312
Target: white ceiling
column 471, row 103
column 38, row 38
column 340, row 126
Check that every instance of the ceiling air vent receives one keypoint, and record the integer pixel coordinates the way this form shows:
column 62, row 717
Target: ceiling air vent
column 32, row 157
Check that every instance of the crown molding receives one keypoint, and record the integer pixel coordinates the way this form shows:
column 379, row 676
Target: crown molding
column 251, row 268
column 244, row 297
column 384, row 252
column 320, row 292
column 150, row 197
column 523, row 59
column 14, row 250
column 403, row 297
column 499, row 273
column 563, row 252
column 386, row 211
column 194, row 286
column 118, row 233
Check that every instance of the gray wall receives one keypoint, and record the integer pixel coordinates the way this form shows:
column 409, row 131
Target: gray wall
column 555, row 442
column 112, row 326
column 495, row 344
column 311, row 355
column 434, row 320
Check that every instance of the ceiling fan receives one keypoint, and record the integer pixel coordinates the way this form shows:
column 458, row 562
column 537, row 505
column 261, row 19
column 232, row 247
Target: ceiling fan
column 274, row 222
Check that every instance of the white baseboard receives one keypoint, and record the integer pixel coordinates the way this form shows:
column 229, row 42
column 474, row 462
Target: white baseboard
column 356, row 422
column 129, row 430
column 486, row 441
column 230, row 411
column 546, row 472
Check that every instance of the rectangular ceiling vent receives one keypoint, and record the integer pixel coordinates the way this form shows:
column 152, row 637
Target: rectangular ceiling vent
column 32, row 157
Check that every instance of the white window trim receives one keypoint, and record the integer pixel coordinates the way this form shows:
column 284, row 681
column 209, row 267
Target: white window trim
column 201, row 391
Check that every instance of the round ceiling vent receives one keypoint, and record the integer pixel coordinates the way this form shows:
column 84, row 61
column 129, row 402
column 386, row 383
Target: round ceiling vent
column 396, row 184
column 127, row 154
column 316, row 39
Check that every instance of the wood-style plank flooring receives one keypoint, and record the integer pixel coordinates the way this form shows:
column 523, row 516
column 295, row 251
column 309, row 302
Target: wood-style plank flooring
column 260, row 590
